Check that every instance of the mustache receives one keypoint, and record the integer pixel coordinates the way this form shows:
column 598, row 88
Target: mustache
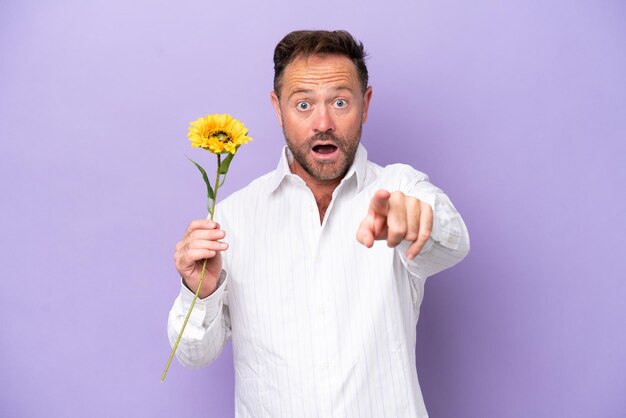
column 325, row 136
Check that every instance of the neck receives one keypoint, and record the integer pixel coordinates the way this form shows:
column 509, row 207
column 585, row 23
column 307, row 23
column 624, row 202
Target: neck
column 322, row 189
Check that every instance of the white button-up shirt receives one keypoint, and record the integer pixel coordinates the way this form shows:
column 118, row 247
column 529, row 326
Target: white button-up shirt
column 321, row 325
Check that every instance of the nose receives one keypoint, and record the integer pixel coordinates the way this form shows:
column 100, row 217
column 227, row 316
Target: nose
column 323, row 121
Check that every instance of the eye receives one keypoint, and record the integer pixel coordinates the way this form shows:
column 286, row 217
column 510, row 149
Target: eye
column 341, row 103
column 302, row 105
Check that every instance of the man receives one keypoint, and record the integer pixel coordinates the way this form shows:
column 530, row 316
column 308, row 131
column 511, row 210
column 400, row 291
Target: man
column 323, row 275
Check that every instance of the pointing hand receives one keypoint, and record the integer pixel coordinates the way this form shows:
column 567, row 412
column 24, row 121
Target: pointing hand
column 396, row 217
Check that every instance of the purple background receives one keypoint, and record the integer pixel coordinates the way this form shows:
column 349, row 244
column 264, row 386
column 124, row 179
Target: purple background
column 517, row 109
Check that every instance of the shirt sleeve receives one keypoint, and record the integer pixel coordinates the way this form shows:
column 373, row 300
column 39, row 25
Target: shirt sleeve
column 449, row 241
column 208, row 328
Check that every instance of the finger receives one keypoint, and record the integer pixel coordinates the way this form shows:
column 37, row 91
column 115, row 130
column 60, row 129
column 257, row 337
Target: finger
column 201, row 224
column 365, row 232
column 207, row 245
column 378, row 210
column 201, row 239
column 187, row 262
column 412, row 218
column 396, row 219
column 196, row 255
column 380, row 202
column 425, row 229
column 207, row 234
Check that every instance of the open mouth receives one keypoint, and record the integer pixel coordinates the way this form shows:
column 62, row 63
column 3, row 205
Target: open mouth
column 324, row 148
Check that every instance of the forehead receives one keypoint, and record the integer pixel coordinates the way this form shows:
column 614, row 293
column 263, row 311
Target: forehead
column 319, row 71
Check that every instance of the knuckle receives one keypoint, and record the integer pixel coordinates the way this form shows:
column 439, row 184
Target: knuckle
column 395, row 235
column 397, row 227
column 393, row 231
column 424, row 235
column 178, row 263
column 411, row 236
column 413, row 205
column 396, row 196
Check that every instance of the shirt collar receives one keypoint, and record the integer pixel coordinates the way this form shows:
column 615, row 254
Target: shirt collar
column 283, row 171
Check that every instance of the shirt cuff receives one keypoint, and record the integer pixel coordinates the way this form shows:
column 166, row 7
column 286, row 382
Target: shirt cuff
column 205, row 310
column 445, row 228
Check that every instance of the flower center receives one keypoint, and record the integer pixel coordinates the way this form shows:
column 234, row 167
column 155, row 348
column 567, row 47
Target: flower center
column 223, row 136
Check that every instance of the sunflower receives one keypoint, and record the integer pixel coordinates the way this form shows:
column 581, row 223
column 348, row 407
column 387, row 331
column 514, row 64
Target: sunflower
column 219, row 133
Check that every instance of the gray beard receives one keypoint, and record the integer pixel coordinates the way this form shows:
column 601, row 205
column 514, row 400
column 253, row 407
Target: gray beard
column 325, row 172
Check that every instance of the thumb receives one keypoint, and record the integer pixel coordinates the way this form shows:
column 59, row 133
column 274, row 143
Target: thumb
column 365, row 233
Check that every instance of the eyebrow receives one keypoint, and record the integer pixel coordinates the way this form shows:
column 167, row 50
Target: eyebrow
column 303, row 90
column 299, row 91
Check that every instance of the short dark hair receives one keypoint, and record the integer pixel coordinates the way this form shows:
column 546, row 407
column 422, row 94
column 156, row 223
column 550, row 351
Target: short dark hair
column 305, row 43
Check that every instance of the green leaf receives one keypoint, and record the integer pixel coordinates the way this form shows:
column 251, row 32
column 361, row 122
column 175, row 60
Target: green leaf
column 223, row 169
column 209, row 189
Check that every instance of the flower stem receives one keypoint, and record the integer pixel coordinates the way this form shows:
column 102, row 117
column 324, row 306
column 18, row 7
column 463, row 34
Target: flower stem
column 193, row 302
column 195, row 296
column 217, row 184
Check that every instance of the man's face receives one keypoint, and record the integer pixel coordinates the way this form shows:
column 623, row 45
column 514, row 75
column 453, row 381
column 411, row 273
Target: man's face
column 321, row 110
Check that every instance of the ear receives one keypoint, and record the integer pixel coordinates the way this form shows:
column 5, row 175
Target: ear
column 276, row 104
column 366, row 103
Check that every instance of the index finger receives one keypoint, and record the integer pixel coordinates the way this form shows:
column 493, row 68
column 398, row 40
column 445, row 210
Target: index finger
column 380, row 202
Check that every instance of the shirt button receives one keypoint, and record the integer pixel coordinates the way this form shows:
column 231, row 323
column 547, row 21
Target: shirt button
column 322, row 310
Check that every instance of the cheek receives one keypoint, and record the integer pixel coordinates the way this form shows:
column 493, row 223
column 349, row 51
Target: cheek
column 295, row 125
column 351, row 123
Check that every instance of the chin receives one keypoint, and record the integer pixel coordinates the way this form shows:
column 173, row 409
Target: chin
column 326, row 171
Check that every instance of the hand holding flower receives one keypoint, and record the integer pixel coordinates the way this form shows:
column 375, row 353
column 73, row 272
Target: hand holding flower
column 201, row 242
